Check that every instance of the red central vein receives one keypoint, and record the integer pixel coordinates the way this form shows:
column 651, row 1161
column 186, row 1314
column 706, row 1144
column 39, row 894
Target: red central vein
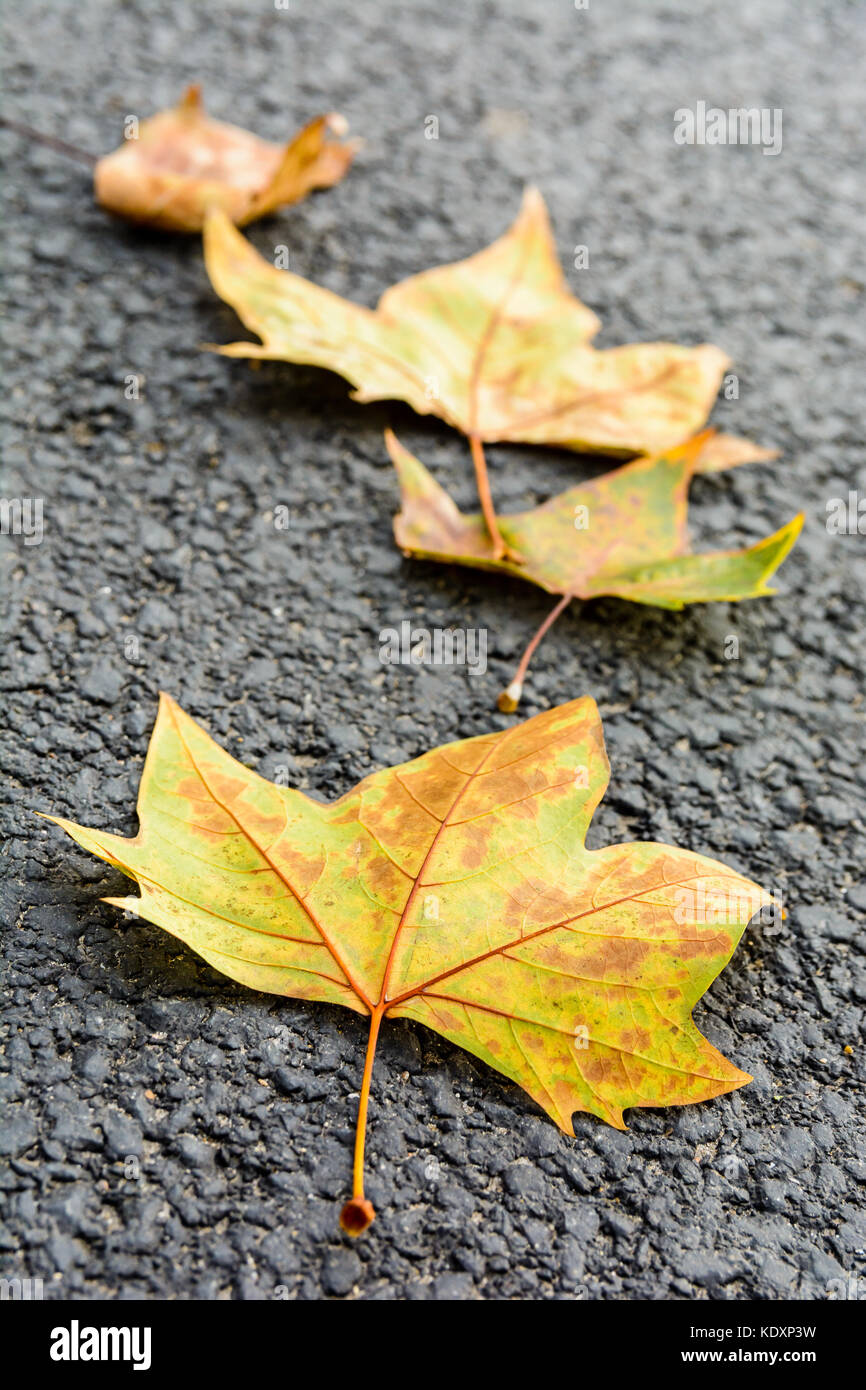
column 443, row 826
column 486, row 337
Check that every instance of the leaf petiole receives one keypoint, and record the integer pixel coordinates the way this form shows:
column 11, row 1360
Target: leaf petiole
column 501, row 550
column 358, row 1213
column 510, row 697
column 49, row 141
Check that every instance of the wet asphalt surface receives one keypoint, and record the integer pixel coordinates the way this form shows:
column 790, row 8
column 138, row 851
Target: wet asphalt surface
column 171, row 1135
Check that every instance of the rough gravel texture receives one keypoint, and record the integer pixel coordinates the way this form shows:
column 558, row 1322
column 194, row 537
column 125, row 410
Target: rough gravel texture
column 170, row 1135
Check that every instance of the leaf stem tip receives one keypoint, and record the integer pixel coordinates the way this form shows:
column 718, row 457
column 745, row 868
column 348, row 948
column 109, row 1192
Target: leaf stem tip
column 357, row 1215
column 509, row 699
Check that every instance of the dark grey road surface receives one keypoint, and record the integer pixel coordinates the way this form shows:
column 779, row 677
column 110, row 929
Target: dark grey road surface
column 169, row 1134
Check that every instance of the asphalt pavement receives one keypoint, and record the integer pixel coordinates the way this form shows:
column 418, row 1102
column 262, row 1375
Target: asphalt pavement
column 171, row 1135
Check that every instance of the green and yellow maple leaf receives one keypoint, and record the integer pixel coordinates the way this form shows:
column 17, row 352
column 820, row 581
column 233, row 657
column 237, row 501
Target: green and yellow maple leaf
column 455, row 890
column 623, row 534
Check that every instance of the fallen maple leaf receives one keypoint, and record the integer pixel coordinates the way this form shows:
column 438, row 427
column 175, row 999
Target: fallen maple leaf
column 455, row 890
column 497, row 345
column 622, row 534
column 181, row 163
